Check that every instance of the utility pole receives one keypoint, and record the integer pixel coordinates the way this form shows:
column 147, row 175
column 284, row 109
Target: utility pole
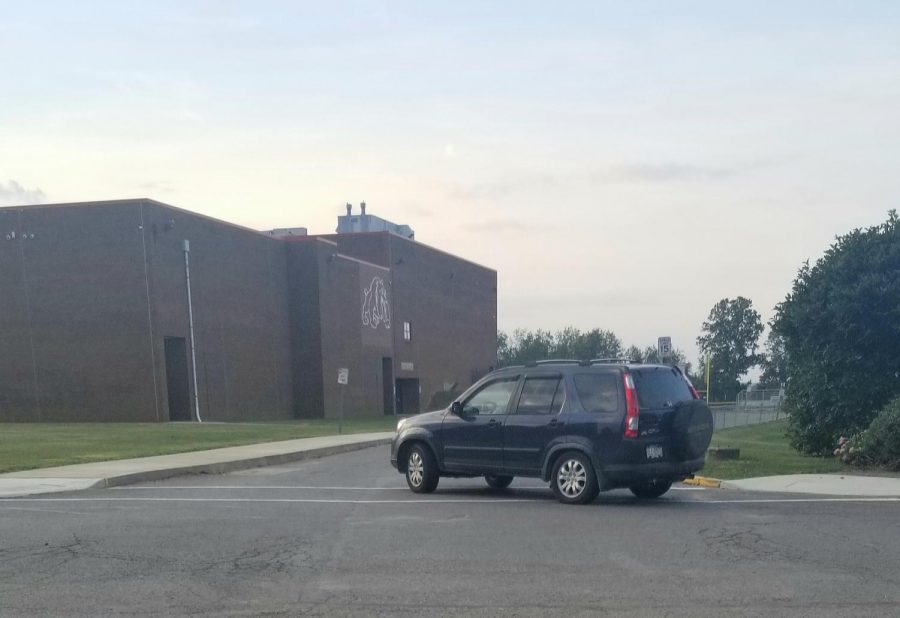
column 708, row 393
column 187, row 275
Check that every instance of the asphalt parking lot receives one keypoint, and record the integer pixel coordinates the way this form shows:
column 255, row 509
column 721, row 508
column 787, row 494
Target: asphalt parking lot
column 343, row 536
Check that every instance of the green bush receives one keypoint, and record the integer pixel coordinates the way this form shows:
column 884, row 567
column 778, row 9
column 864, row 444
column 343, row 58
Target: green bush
column 879, row 445
column 840, row 326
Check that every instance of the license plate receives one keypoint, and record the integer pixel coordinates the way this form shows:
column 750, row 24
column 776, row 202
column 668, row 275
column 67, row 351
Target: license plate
column 654, row 452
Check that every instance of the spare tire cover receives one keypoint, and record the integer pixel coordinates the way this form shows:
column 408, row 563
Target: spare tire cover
column 692, row 429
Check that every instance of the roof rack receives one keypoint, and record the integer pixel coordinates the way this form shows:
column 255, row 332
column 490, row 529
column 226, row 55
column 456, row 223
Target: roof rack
column 583, row 363
column 554, row 361
column 618, row 361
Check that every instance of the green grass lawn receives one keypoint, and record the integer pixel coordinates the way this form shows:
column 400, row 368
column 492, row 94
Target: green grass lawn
column 24, row 446
column 765, row 451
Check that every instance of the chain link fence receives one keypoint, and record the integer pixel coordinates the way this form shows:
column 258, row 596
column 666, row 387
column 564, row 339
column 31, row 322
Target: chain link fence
column 750, row 408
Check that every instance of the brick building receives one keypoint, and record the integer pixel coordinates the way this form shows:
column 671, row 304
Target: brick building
column 95, row 318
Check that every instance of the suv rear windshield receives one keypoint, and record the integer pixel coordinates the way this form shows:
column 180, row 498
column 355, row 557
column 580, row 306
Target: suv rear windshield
column 660, row 387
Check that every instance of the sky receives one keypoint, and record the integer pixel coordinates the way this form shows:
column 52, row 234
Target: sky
column 621, row 165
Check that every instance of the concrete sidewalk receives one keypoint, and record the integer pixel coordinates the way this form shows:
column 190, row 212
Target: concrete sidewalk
column 821, row 484
column 215, row 461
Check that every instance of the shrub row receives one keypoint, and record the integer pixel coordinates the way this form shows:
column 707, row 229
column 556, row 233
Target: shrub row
column 879, row 444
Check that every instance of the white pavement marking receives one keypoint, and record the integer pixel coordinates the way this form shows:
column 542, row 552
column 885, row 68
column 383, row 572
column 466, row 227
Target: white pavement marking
column 164, row 487
column 769, row 500
column 37, row 510
column 433, row 500
column 287, row 500
column 305, row 487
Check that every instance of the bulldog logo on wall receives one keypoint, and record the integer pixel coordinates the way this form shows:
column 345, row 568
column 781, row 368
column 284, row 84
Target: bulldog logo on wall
column 376, row 309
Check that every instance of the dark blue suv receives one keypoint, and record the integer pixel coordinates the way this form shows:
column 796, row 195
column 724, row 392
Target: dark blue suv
column 584, row 426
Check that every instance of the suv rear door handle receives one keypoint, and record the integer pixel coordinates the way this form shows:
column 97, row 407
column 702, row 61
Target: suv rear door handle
column 556, row 423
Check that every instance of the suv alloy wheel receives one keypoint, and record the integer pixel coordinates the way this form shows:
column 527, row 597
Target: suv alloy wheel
column 573, row 479
column 421, row 470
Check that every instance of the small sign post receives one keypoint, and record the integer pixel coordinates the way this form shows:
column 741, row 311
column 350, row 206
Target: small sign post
column 343, row 380
column 664, row 346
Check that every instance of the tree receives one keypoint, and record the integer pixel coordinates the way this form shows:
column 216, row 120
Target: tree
column 841, row 330
column 525, row 346
column 774, row 362
column 634, row 353
column 731, row 336
column 594, row 343
column 677, row 357
column 529, row 346
column 504, row 351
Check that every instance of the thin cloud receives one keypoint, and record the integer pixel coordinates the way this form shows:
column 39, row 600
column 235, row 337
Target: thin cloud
column 606, row 299
column 662, row 172
column 418, row 211
column 673, row 171
column 213, row 18
column 156, row 187
column 612, row 310
column 503, row 187
column 503, row 226
column 14, row 194
column 647, row 173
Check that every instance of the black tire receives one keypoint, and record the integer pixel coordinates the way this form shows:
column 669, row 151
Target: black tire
column 422, row 473
column 573, row 479
column 498, row 482
column 650, row 490
column 692, row 429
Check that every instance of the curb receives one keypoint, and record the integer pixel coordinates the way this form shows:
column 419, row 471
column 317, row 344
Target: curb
column 23, row 487
column 238, row 464
column 37, row 485
column 703, row 481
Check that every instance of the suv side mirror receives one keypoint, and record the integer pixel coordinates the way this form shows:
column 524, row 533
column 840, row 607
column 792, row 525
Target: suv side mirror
column 456, row 408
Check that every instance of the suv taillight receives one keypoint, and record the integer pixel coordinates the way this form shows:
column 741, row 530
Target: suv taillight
column 632, row 411
column 694, row 392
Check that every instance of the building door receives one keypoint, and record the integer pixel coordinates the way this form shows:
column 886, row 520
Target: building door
column 387, row 384
column 177, row 379
column 19, row 395
column 408, row 396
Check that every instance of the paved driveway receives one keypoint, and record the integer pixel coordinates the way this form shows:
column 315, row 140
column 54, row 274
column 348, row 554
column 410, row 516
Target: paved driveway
column 343, row 536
